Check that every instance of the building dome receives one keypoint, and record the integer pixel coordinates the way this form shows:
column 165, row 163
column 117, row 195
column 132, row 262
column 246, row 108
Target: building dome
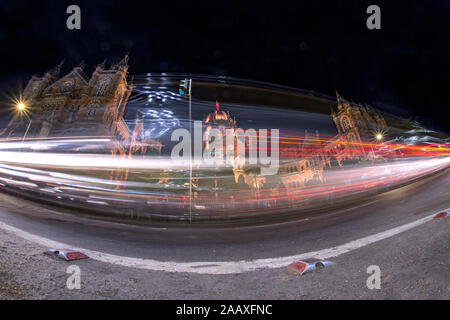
column 220, row 118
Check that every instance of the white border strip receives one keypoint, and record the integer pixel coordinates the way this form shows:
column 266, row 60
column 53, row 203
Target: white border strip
column 221, row 267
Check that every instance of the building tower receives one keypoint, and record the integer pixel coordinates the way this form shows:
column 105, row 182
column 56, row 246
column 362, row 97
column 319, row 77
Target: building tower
column 75, row 105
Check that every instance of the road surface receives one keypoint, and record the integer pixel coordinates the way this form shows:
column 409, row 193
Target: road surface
column 414, row 263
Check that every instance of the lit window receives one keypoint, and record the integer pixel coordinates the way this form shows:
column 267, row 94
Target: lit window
column 102, row 86
column 92, row 110
column 72, row 114
column 345, row 123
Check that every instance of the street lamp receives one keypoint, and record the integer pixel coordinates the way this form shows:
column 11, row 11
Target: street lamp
column 21, row 107
column 378, row 136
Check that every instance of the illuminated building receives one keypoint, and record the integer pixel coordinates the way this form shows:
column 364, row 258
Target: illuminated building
column 354, row 124
column 220, row 120
column 306, row 163
column 78, row 106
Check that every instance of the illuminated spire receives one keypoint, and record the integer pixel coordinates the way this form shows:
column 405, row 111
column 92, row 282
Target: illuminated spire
column 124, row 61
column 81, row 65
column 102, row 65
column 56, row 70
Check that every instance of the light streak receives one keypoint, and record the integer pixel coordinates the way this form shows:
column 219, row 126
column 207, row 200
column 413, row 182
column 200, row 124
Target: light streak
column 74, row 179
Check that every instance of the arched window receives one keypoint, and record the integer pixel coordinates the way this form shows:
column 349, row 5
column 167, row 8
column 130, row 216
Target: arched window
column 72, row 114
column 345, row 123
column 102, row 86
column 91, row 111
column 67, row 85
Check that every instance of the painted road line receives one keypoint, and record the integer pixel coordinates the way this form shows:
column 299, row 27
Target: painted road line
column 221, row 267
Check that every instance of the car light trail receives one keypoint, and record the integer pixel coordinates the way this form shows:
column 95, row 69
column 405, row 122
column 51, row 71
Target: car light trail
column 119, row 176
column 77, row 180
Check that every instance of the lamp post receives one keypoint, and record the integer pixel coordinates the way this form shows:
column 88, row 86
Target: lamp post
column 28, row 128
column 21, row 107
column 185, row 87
column 378, row 137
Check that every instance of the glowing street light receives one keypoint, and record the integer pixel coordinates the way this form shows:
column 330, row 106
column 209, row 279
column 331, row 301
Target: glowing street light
column 20, row 106
column 378, row 137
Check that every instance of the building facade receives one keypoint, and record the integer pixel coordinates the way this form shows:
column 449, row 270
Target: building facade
column 76, row 105
column 309, row 156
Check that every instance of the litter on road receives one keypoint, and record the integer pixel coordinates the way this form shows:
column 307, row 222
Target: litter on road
column 442, row 214
column 66, row 254
column 306, row 265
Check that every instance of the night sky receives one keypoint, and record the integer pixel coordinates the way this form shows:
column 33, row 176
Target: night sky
column 316, row 45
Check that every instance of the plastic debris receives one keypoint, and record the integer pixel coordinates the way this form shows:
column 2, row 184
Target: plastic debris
column 307, row 265
column 442, row 214
column 67, row 254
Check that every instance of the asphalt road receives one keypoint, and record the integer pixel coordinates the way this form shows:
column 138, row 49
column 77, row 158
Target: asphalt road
column 414, row 264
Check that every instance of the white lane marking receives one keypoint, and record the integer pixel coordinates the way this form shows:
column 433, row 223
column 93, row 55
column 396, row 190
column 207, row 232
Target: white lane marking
column 221, row 267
